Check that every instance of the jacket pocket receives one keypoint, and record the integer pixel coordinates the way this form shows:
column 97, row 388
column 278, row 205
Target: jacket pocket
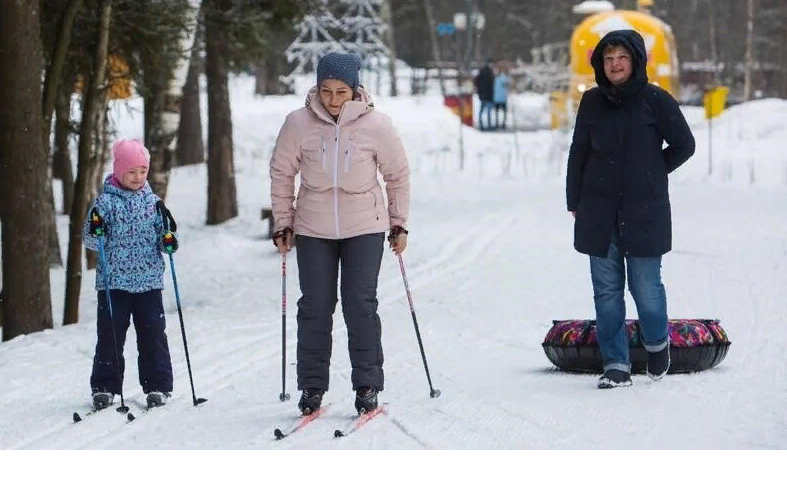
column 315, row 169
column 313, row 151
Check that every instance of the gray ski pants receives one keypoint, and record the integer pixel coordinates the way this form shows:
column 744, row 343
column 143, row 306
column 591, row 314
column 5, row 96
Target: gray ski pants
column 319, row 261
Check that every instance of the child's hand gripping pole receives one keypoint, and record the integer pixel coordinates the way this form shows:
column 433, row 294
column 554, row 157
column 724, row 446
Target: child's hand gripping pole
column 98, row 227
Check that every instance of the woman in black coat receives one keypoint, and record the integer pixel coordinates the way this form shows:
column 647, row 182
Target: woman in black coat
column 617, row 189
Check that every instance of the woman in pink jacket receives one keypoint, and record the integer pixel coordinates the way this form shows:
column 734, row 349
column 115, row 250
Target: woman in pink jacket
column 338, row 142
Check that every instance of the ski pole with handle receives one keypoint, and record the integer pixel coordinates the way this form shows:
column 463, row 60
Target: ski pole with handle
column 102, row 255
column 169, row 228
column 432, row 391
column 284, row 396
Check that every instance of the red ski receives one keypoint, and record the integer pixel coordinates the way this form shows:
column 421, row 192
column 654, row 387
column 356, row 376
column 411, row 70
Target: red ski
column 361, row 420
column 302, row 423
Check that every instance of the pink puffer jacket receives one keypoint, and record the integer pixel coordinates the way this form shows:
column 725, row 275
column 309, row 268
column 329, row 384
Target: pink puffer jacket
column 339, row 195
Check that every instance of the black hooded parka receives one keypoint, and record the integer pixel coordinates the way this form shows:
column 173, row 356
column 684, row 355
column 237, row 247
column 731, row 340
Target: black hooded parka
column 617, row 167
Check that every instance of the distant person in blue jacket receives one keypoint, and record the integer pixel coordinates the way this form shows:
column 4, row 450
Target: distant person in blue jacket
column 126, row 215
column 501, row 96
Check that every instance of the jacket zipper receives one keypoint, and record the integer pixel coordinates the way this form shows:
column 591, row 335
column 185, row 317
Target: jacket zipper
column 336, row 183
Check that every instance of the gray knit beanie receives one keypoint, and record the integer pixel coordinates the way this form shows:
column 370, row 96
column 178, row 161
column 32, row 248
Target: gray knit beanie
column 343, row 67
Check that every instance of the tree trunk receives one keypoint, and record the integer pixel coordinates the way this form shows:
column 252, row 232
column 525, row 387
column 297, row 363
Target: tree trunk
column 266, row 76
column 61, row 154
column 161, row 141
column 435, row 44
column 94, row 83
column 54, row 72
column 390, row 40
column 52, row 79
column 55, row 259
column 222, row 198
column 749, row 51
column 783, row 50
column 191, row 148
column 24, row 171
column 261, row 85
column 100, row 152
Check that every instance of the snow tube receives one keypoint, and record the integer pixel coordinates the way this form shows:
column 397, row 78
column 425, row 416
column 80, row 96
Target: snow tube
column 695, row 345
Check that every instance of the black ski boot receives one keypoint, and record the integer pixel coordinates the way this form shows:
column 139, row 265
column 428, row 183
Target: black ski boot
column 156, row 399
column 102, row 400
column 366, row 399
column 311, row 400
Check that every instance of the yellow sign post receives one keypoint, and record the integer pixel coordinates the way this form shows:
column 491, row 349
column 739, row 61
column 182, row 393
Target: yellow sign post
column 715, row 99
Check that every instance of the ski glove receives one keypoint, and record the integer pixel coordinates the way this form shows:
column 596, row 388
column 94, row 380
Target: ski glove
column 397, row 239
column 98, row 227
column 396, row 230
column 285, row 236
column 169, row 243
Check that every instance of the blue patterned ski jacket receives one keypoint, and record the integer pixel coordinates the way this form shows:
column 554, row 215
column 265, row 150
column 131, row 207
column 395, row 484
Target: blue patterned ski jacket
column 133, row 242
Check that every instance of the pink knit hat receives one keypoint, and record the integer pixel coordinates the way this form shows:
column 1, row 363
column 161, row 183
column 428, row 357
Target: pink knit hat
column 129, row 154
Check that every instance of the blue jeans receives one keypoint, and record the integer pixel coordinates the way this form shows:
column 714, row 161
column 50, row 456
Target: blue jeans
column 487, row 107
column 644, row 278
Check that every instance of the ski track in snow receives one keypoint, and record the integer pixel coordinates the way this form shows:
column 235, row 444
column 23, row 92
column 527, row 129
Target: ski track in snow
column 490, row 264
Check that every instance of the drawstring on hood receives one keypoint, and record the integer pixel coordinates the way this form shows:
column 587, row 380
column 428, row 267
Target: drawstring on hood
column 633, row 42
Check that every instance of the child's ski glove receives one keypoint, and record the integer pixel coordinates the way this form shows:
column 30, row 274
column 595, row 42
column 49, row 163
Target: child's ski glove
column 169, row 243
column 98, row 227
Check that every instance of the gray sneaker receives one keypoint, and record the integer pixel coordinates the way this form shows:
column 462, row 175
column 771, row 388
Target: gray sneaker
column 614, row 378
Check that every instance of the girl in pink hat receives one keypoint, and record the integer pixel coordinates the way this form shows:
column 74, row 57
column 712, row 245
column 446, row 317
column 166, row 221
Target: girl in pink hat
column 126, row 215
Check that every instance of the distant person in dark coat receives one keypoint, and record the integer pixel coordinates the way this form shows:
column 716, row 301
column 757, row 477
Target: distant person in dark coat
column 617, row 190
column 485, row 87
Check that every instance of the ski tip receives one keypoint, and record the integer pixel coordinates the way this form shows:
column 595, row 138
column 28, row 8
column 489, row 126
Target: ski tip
column 200, row 401
column 77, row 418
column 130, row 417
column 338, row 434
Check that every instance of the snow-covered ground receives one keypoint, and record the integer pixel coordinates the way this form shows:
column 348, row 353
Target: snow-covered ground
column 490, row 264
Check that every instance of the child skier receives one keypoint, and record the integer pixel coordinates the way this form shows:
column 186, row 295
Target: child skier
column 125, row 215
